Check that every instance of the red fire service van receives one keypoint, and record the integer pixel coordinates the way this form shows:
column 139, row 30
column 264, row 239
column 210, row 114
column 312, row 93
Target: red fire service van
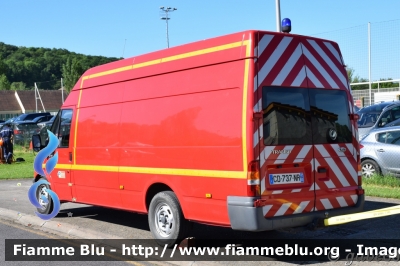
column 254, row 130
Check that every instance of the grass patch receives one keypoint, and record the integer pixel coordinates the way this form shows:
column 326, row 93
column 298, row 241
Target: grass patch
column 382, row 186
column 18, row 170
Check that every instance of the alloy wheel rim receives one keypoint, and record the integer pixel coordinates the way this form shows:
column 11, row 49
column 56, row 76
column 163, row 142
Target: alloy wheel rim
column 164, row 220
column 368, row 170
column 43, row 192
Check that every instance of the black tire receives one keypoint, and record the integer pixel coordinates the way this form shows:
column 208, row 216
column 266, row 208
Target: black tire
column 166, row 220
column 369, row 168
column 47, row 208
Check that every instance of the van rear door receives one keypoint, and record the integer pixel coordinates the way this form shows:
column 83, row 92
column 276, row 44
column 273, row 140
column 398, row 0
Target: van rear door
column 334, row 134
column 306, row 140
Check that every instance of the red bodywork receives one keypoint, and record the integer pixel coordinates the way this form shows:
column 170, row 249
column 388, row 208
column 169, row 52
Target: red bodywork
column 184, row 118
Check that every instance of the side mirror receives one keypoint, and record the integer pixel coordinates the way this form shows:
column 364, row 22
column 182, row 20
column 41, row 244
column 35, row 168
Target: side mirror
column 36, row 143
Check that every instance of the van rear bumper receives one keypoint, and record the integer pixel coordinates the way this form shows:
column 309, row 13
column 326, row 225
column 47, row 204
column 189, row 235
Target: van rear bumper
column 244, row 216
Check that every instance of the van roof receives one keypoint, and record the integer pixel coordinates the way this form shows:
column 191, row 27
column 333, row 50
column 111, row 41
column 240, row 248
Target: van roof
column 178, row 58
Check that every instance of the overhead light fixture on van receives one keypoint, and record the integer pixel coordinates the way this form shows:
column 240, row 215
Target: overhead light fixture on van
column 286, row 25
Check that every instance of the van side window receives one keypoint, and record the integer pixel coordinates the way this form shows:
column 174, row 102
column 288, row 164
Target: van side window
column 61, row 127
column 286, row 116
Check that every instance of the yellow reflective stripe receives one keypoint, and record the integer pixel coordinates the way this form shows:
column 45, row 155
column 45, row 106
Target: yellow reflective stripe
column 76, row 122
column 244, row 118
column 166, row 59
column 160, row 171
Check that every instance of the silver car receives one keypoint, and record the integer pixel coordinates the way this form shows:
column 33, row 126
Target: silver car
column 380, row 152
column 377, row 116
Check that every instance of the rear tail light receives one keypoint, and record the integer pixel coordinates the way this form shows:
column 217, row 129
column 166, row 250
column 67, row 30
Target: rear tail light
column 361, row 146
column 17, row 132
column 253, row 179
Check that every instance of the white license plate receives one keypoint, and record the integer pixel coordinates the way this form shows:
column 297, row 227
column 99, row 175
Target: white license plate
column 286, row 178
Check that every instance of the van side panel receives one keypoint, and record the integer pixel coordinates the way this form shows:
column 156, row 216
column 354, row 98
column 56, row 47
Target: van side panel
column 96, row 159
column 192, row 120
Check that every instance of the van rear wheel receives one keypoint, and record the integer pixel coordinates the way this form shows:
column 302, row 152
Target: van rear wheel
column 166, row 220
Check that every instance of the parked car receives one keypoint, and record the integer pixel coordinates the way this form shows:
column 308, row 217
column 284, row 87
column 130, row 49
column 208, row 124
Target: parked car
column 376, row 116
column 46, row 124
column 380, row 152
column 42, row 119
column 9, row 121
column 25, row 117
column 23, row 131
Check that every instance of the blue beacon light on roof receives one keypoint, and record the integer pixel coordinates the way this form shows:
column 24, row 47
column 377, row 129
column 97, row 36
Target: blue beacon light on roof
column 286, row 25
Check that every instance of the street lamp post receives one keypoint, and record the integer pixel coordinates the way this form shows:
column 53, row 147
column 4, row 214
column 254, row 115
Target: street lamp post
column 165, row 11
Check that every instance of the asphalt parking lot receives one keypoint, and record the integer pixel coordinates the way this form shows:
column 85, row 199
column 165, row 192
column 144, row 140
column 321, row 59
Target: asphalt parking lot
column 91, row 222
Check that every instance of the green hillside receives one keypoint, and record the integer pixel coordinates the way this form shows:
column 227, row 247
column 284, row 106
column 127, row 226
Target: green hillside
column 21, row 67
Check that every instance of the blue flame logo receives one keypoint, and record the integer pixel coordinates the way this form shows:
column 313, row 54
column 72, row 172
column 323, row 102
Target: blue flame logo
column 50, row 165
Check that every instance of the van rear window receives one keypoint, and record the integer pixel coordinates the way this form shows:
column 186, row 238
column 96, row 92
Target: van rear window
column 305, row 116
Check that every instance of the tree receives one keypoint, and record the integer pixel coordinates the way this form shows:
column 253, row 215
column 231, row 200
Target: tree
column 71, row 72
column 18, row 86
column 350, row 74
column 356, row 79
column 4, row 83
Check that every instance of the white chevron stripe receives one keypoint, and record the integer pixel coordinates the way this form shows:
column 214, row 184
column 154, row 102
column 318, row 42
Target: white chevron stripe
column 296, row 190
column 354, row 198
column 333, row 166
column 314, row 187
column 277, row 192
column 263, row 187
column 315, row 165
column 266, row 209
column 337, row 172
column 342, row 201
column 313, row 78
column 266, row 68
column 265, row 40
column 303, row 152
column 328, row 61
column 334, row 52
column 283, row 156
column 330, row 184
column 300, row 77
column 327, row 204
column 351, row 148
column 350, row 168
column 320, row 68
column 336, row 148
column 288, row 67
column 322, row 150
column 301, row 207
column 265, row 153
column 283, row 209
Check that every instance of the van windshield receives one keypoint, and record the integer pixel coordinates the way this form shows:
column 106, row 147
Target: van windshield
column 305, row 116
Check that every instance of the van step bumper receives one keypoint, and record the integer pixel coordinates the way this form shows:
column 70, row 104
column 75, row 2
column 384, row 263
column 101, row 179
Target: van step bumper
column 244, row 216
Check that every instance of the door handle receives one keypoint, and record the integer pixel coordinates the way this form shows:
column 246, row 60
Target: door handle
column 70, row 156
column 381, row 150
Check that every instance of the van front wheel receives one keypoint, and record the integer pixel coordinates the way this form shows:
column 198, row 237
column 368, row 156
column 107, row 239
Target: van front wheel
column 166, row 220
column 44, row 198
